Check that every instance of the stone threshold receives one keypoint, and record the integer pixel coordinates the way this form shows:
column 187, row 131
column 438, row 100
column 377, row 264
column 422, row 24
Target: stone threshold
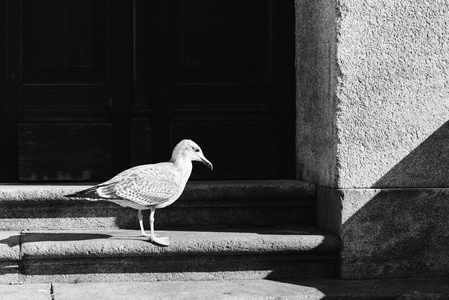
column 194, row 254
column 308, row 289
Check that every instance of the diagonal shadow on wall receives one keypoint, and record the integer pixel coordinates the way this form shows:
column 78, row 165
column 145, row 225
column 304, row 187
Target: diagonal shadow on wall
column 392, row 232
column 426, row 166
column 401, row 232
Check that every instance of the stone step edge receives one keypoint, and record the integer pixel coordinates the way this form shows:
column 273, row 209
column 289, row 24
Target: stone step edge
column 214, row 193
column 430, row 288
column 264, row 289
column 39, row 245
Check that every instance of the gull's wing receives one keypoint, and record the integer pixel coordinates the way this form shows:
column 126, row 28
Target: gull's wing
column 144, row 185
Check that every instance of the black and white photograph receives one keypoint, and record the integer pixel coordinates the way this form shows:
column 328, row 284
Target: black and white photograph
column 224, row 149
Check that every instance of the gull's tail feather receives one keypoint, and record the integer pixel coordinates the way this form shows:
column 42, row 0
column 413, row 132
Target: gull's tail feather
column 88, row 194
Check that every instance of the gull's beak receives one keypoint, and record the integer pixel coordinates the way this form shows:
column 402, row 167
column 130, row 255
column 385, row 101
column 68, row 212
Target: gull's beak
column 205, row 161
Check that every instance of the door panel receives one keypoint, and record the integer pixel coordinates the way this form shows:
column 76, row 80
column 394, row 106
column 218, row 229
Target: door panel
column 214, row 78
column 220, row 41
column 68, row 151
column 69, row 114
column 64, row 41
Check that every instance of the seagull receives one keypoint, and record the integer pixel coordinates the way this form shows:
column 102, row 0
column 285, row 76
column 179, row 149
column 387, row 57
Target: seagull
column 150, row 186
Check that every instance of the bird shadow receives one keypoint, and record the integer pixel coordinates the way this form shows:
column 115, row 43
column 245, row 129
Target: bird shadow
column 33, row 237
column 15, row 240
column 11, row 241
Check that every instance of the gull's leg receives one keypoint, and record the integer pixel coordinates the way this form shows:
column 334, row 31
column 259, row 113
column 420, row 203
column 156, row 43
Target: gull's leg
column 163, row 241
column 140, row 217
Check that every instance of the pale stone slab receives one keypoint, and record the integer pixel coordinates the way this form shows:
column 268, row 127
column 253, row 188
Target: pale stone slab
column 244, row 289
column 26, row 292
column 251, row 253
column 9, row 257
column 9, row 245
column 310, row 289
column 9, row 272
column 218, row 241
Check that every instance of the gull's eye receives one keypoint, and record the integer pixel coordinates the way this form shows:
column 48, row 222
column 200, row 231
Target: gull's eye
column 197, row 150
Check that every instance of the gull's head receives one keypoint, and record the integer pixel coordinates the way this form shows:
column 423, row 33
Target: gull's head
column 188, row 149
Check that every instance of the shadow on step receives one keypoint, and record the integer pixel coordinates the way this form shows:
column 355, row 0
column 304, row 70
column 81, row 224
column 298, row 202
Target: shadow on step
column 260, row 230
column 15, row 240
column 332, row 288
column 39, row 236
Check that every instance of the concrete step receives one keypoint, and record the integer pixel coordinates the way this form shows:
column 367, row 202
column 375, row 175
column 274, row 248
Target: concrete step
column 194, row 254
column 262, row 202
column 309, row 289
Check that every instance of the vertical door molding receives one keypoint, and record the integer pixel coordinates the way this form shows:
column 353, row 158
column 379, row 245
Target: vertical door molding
column 141, row 130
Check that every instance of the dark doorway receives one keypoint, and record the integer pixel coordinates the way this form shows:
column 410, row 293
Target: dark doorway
column 90, row 88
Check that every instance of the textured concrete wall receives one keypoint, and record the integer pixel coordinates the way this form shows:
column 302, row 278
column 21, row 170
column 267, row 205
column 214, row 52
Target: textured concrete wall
column 393, row 93
column 373, row 130
column 372, row 89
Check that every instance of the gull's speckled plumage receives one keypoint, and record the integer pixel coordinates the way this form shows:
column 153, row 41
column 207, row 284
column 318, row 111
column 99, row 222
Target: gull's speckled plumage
column 149, row 186
column 156, row 185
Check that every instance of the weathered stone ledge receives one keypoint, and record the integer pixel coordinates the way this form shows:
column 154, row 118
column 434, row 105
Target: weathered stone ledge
column 209, row 241
column 83, row 256
column 218, row 192
column 300, row 289
column 232, row 203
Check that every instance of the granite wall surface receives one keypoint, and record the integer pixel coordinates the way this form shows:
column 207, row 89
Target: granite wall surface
column 373, row 130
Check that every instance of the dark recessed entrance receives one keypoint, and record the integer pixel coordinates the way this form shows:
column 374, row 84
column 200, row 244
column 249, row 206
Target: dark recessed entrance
column 90, row 88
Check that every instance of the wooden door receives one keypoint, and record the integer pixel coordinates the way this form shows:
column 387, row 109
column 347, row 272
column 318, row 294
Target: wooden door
column 91, row 87
column 68, row 85
column 222, row 74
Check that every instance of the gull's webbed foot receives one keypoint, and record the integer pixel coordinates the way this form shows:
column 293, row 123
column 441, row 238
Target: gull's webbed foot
column 144, row 234
column 161, row 241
